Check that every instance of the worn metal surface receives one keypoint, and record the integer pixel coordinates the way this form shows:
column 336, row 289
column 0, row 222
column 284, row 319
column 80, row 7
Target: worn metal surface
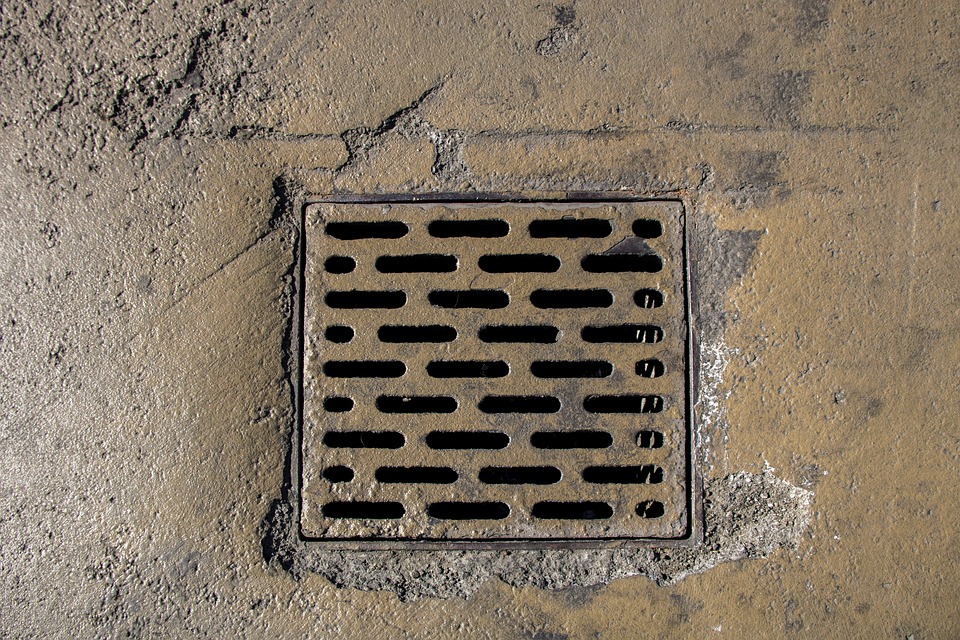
column 463, row 431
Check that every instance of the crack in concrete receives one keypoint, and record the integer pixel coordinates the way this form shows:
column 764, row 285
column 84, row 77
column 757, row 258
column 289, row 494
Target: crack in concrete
column 449, row 164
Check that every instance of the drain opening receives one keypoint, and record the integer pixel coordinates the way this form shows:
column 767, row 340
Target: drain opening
column 520, row 475
column 649, row 439
column 572, row 510
column 337, row 404
column 647, row 228
column 570, row 228
column 416, row 475
column 338, row 474
column 468, row 369
column 364, row 439
column 364, row 510
column 571, row 440
column 652, row 368
column 650, row 509
column 340, row 264
column 648, row 299
column 339, row 334
column 416, row 404
column 470, row 299
column 571, row 368
column 519, row 263
column 519, row 404
column 571, row 298
column 467, row 440
column 623, row 404
column 364, row 368
column 469, row 510
column 539, row 334
column 623, row 333
column 620, row 263
column 468, row 228
column 366, row 299
column 643, row 474
column 428, row 333
column 366, row 230
column 420, row 263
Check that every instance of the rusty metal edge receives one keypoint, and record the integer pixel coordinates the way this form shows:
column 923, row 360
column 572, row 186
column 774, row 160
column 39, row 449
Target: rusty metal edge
column 695, row 524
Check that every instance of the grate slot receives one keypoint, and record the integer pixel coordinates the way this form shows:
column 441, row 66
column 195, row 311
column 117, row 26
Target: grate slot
column 643, row 474
column 416, row 404
column 366, row 299
column 571, row 298
column 339, row 334
column 338, row 473
column 571, row 439
column 386, row 229
column 337, row 404
column 468, row 369
column 651, row 368
column 646, row 228
column 621, row 262
column 467, row 440
column 468, row 228
column 364, row 439
column 572, row 510
column 417, row 475
column 364, row 368
column 647, row 439
column 469, row 510
column 519, row 404
column 623, row 404
column 648, row 298
column 520, row 475
column 571, row 368
column 519, row 263
column 364, row 510
column 537, row 334
column 571, row 228
column 650, row 509
column 470, row 299
column 340, row 264
column 428, row 333
column 642, row 333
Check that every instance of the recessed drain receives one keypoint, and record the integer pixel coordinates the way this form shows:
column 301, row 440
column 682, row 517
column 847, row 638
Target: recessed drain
column 481, row 373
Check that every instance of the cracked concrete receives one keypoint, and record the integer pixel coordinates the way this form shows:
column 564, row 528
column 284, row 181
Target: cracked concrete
column 153, row 152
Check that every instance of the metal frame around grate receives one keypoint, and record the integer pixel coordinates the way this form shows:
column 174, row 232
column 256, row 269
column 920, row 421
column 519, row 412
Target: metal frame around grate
column 346, row 490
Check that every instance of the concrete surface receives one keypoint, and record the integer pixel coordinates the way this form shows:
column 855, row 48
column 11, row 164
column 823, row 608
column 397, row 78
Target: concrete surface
column 152, row 153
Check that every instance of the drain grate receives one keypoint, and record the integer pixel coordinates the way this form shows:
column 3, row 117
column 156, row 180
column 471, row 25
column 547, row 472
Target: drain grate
column 494, row 372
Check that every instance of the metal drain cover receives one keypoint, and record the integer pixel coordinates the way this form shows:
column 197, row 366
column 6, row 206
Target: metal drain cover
column 494, row 372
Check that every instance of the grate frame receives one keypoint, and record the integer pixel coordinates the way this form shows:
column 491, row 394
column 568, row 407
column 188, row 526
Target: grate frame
column 691, row 531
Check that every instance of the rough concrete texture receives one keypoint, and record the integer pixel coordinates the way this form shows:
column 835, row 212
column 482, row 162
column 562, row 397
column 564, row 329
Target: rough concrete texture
column 747, row 516
column 146, row 260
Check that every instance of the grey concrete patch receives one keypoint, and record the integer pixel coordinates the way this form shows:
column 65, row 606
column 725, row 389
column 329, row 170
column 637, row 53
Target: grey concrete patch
column 747, row 516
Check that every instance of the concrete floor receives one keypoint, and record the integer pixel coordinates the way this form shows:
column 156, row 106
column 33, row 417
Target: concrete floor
column 153, row 152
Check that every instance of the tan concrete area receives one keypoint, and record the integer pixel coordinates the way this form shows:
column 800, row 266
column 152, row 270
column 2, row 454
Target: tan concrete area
column 157, row 156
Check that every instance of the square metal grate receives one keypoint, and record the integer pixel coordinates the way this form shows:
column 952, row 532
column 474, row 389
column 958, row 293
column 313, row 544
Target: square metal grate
column 494, row 372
